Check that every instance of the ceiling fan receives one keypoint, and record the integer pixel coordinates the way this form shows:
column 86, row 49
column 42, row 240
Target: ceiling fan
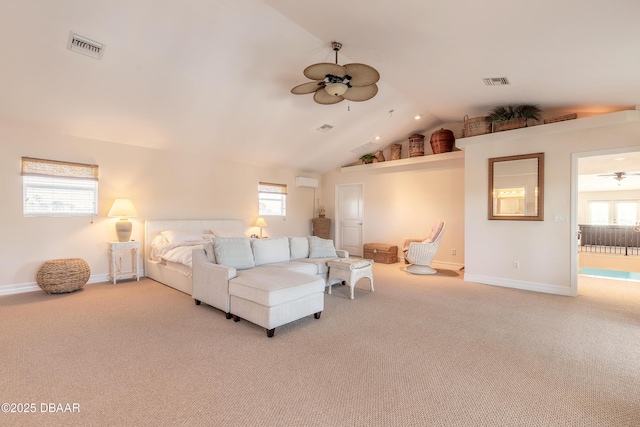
column 333, row 83
column 619, row 176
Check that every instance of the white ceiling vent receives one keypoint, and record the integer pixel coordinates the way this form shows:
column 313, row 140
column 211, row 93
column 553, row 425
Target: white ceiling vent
column 324, row 128
column 85, row 46
column 496, row 81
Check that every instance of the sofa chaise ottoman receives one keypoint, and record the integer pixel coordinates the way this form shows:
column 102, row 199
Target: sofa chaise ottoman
column 272, row 296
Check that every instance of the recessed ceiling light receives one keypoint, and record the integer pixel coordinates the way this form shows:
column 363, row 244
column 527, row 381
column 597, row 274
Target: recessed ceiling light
column 377, row 137
column 619, row 158
column 418, row 117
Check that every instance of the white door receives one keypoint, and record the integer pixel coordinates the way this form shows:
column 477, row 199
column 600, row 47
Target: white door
column 350, row 215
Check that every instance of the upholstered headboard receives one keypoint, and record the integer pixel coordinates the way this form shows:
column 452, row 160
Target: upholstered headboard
column 154, row 227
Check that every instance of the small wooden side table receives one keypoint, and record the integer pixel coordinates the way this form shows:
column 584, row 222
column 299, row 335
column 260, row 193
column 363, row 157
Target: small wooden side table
column 116, row 252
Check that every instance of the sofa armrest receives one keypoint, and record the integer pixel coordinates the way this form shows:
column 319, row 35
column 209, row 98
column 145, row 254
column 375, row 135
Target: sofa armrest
column 342, row 253
column 210, row 281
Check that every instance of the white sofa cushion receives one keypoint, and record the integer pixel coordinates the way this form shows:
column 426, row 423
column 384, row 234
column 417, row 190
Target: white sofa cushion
column 320, row 264
column 271, row 250
column 271, row 286
column 233, row 252
column 299, row 247
column 299, row 266
column 321, row 248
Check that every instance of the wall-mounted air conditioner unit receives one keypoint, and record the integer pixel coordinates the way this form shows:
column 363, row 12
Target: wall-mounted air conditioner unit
column 302, row 181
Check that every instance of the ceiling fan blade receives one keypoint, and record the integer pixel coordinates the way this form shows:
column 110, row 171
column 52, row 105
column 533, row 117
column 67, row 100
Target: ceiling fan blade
column 323, row 97
column 306, row 88
column 359, row 94
column 361, row 74
column 319, row 71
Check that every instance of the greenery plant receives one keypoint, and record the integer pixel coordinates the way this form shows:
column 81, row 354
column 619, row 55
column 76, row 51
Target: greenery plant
column 527, row 111
column 367, row 158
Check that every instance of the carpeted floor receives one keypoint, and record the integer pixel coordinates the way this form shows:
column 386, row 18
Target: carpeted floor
column 420, row 351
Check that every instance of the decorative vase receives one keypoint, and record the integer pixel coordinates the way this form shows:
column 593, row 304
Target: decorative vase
column 379, row 156
column 396, row 151
column 442, row 141
column 416, row 145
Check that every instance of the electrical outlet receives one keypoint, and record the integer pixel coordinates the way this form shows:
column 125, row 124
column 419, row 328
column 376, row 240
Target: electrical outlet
column 516, row 264
column 453, row 251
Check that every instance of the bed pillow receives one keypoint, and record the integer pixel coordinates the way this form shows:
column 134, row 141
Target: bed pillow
column 269, row 251
column 178, row 236
column 208, row 250
column 227, row 233
column 233, row 252
column 321, row 248
column 299, row 247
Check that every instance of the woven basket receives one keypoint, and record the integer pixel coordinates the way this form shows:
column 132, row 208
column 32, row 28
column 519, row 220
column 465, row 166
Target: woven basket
column 561, row 118
column 510, row 124
column 63, row 275
column 416, row 145
column 442, row 141
column 476, row 126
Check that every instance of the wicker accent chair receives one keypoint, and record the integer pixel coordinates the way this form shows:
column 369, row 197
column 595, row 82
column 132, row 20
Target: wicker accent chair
column 420, row 253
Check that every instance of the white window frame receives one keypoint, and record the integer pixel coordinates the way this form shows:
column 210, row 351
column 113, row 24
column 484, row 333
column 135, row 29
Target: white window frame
column 270, row 194
column 612, row 207
column 55, row 188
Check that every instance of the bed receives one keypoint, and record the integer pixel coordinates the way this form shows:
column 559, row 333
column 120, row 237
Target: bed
column 169, row 262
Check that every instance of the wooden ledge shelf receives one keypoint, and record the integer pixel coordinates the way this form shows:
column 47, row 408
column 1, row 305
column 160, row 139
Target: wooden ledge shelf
column 406, row 163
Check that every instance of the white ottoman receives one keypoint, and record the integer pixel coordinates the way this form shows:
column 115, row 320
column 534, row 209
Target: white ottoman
column 350, row 270
column 272, row 296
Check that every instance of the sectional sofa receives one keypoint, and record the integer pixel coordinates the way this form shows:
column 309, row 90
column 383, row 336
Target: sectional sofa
column 269, row 282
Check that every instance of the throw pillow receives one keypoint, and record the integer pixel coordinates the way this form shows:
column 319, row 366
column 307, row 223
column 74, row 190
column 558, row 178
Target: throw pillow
column 233, row 252
column 321, row 248
column 269, row 251
column 299, row 247
column 177, row 236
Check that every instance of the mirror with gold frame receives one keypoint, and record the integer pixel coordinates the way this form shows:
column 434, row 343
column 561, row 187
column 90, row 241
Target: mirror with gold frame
column 516, row 187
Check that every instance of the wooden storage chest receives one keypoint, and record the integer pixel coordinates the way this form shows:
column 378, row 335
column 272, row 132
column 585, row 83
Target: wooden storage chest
column 381, row 252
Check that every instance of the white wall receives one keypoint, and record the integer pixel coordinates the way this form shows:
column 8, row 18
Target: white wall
column 544, row 248
column 162, row 185
column 404, row 202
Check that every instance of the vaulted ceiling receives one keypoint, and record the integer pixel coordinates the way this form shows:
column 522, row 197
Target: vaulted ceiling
column 213, row 77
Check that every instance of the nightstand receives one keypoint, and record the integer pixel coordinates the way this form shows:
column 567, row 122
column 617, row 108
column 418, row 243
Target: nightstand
column 119, row 251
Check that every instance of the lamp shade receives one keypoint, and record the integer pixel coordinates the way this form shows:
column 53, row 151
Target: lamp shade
column 122, row 208
column 260, row 222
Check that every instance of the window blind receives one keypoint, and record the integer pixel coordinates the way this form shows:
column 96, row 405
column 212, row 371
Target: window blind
column 42, row 167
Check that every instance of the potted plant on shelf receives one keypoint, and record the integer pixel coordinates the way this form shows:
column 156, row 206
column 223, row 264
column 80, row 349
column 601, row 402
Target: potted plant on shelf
column 513, row 117
column 321, row 211
column 367, row 158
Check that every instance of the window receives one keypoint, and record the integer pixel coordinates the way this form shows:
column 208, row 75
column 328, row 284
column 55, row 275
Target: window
column 613, row 212
column 53, row 188
column 272, row 199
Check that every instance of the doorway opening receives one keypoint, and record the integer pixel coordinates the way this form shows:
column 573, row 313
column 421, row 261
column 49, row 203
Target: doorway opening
column 606, row 215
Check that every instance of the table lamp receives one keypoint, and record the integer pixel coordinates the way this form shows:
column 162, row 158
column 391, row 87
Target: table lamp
column 123, row 209
column 260, row 222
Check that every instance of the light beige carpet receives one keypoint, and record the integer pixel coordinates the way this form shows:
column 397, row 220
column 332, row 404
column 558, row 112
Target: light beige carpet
column 419, row 351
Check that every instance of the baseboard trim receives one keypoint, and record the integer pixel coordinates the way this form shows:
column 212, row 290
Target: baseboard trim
column 20, row 288
column 519, row 284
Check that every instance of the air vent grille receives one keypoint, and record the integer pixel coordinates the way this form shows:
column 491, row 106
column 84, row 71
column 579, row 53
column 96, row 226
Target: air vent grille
column 85, row 46
column 324, row 128
column 496, row 81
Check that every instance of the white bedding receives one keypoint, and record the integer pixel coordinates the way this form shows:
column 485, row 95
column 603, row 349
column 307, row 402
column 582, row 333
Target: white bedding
column 179, row 252
column 168, row 260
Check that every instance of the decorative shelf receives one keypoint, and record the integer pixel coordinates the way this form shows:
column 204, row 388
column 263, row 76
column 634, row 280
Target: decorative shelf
column 406, row 163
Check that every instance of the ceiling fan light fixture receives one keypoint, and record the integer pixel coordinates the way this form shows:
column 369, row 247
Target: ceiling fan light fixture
column 336, row 89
